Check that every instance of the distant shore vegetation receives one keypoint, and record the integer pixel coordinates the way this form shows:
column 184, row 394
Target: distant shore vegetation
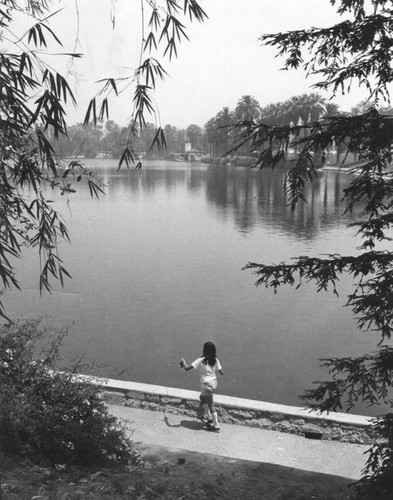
column 215, row 142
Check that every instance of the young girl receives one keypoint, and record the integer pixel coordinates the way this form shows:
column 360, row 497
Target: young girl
column 208, row 365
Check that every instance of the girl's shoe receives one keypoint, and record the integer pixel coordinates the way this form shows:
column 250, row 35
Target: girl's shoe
column 212, row 429
column 207, row 421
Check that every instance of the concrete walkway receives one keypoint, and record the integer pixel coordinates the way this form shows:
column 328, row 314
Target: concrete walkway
column 241, row 442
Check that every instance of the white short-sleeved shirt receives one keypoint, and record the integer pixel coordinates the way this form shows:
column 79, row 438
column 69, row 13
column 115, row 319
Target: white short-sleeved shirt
column 208, row 373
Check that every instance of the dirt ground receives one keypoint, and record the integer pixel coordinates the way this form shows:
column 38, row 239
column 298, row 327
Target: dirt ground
column 174, row 475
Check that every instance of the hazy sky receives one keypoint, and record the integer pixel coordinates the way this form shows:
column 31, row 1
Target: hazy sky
column 222, row 61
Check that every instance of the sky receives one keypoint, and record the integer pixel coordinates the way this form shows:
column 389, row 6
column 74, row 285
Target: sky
column 222, row 61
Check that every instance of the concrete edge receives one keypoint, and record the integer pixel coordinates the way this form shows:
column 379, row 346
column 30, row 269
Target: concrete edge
column 230, row 401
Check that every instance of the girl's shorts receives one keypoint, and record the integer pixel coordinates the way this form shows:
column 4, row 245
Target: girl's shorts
column 207, row 390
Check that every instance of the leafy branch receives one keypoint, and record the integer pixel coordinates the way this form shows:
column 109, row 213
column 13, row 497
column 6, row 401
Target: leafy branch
column 162, row 32
column 357, row 50
column 31, row 113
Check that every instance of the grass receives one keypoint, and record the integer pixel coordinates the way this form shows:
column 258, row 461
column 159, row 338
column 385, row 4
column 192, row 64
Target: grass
column 168, row 475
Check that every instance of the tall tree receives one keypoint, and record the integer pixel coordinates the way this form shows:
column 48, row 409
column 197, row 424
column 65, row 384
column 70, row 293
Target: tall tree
column 367, row 35
column 276, row 114
column 223, row 121
column 195, row 135
column 112, row 142
column 247, row 112
column 248, row 109
column 332, row 109
column 212, row 137
column 225, row 117
column 306, row 108
column 171, row 139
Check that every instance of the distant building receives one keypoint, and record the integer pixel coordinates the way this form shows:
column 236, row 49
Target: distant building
column 191, row 154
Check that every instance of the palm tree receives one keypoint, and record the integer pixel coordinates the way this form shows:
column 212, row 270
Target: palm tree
column 331, row 109
column 212, row 137
column 225, row 117
column 306, row 108
column 248, row 109
column 276, row 114
column 223, row 120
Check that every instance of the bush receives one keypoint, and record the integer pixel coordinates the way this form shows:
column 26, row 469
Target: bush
column 50, row 416
column 377, row 480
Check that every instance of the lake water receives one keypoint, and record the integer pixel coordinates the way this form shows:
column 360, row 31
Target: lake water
column 157, row 270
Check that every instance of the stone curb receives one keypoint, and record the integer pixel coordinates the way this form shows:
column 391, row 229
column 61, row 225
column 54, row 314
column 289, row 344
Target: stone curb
column 260, row 414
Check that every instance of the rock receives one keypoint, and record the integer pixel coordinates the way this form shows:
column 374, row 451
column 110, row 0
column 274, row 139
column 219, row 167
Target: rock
column 135, row 395
column 262, row 423
column 276, row 417
column 152, row 398
column 193, row 405
column 242, row 415
column 286, row 427
column 114, row 398
column 172, row 401
column 312, row 428
column 227, row 419
column 151, row 406
column 336, row 434
column 356, row 438
column 132, row 403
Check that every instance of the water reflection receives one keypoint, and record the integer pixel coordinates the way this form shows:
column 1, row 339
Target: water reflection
column 259, row 197
column 251, row 197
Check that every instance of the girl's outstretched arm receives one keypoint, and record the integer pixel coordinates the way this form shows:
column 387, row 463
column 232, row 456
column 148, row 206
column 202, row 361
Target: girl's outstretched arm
column 184, row 365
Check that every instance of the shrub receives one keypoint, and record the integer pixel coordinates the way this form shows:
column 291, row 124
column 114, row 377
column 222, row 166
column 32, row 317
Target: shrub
column 377, row 480
column 48, row 415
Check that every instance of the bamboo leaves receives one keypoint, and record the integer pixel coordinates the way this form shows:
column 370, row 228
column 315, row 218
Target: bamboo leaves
column 58, row 85
column 150, row 70
column 162, row 32
column 194, row 10
column 91, row 112
column 173, row 32
column 159, row 139
column 36, row 34
column 32, row 119
column 28, row 160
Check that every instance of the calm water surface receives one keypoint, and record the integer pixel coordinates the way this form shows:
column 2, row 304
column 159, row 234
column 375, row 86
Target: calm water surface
column 157, row 270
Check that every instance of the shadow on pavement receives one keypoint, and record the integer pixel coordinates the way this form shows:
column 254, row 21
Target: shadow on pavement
column 194, row 425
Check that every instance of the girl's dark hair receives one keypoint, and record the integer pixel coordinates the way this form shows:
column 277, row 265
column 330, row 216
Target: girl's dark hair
column 209, row 353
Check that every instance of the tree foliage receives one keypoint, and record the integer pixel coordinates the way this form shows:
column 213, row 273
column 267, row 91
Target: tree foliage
column 222, row 134
column 358, row 50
